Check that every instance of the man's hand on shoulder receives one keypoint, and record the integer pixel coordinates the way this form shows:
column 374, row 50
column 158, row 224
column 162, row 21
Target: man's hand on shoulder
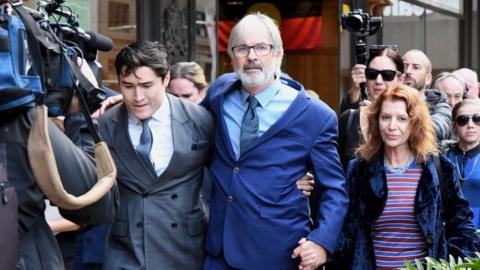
column 107, row 103
column 311, row 254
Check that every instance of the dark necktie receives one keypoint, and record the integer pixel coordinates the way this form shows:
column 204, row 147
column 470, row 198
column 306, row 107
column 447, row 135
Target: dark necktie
column 145, row 145
column 249, row 128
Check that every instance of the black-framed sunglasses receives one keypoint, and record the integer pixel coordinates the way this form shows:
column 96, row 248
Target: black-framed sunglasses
column 387, row 74
column 463, row 119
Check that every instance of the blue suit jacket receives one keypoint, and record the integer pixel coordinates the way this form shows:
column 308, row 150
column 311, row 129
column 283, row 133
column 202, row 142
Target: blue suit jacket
column 257, row 214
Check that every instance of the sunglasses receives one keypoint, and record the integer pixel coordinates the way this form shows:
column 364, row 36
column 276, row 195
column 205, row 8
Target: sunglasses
column 463, row 119
column 387, row 74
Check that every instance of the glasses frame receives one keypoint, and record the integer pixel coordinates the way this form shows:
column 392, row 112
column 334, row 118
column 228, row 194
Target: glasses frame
column 383, row 72
column 463, row 119
column 254, row 50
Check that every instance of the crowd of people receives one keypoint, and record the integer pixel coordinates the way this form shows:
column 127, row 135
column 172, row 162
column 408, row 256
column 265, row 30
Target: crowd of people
column 254, row 173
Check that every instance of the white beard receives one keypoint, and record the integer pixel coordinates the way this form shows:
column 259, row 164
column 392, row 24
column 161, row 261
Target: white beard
column 258, row 78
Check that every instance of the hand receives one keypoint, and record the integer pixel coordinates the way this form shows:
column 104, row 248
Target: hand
column 364, row 103
column 358, row 77
column 107, row 103
column 312, row 255
column 306, row 184
column 473, row 91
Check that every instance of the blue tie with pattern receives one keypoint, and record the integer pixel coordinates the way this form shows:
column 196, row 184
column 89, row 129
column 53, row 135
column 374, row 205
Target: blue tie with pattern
column 249, row 128
column 145, row 145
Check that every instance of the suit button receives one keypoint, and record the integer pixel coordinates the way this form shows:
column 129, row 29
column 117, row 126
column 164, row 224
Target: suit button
column 174, row 196
column 139, row 225
column 174, row 225
column 145, row 194
column 236, row 170
column 230, row 198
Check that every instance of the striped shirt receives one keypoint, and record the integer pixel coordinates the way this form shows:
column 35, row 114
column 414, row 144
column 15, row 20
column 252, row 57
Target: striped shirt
column 396, row 234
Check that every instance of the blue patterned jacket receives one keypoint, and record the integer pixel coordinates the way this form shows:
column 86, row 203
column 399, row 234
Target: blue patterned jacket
column 446, row 232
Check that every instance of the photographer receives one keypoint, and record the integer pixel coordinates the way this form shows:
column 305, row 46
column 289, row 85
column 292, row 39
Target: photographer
column 37, row 246
column 37, row 159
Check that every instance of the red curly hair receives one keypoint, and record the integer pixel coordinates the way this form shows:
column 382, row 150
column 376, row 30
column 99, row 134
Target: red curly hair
column 422, row 140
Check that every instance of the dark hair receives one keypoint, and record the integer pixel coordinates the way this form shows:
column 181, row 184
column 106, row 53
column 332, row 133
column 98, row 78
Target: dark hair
column 463, row 103
column 390, row 53
column 142, row 54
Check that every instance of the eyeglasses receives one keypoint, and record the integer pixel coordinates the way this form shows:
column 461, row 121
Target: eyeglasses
column 387, row 74
column 259, row 49
column 463, row 119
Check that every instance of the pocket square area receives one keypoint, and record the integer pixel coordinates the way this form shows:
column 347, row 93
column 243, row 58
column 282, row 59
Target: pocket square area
column 200, row 145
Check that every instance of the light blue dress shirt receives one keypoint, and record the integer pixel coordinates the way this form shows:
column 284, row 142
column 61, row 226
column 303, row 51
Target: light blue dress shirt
column 273, row 102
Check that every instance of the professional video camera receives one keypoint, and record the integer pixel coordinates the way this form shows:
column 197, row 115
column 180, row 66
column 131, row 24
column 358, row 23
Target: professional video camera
column 43, row 63
column 362, row 25
column 61, row 35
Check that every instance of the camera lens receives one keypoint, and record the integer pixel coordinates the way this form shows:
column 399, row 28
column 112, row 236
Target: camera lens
column 354, row 23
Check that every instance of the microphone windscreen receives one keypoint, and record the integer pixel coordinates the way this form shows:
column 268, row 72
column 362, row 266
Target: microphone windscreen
column 99, row 42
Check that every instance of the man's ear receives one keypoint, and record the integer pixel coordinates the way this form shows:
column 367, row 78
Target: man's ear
column 428, row 80
column 166, row 79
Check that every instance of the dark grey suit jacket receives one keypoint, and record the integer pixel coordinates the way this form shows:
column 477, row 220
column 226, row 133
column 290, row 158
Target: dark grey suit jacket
column 161, row 222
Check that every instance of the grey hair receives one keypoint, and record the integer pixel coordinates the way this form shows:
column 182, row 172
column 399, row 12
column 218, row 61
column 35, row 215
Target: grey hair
column 247, row 24
column 444, row 75
column 462, row 71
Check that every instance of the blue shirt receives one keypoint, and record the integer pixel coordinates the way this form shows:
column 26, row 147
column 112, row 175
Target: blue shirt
column 273, row 102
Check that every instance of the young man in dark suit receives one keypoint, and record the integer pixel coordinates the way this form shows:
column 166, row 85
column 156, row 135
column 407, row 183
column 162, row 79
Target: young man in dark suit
column 160, row 145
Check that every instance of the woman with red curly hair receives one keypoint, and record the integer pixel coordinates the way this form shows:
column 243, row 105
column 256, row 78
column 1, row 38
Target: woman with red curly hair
column 396, row 209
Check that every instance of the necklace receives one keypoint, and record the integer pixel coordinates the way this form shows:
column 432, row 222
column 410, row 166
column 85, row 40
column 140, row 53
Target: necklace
column 460, row 171
column 398, row 170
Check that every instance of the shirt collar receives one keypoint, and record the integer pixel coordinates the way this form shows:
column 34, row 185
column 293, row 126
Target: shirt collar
column 265, row 96
column 469, row 153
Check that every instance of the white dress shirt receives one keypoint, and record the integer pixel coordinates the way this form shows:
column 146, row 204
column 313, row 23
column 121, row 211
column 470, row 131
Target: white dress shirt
column 161, row 127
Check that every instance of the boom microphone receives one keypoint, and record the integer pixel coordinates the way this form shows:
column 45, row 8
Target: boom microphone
column 98, row 41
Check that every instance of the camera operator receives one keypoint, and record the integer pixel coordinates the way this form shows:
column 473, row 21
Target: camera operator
column 72, row 150
column 418, row 68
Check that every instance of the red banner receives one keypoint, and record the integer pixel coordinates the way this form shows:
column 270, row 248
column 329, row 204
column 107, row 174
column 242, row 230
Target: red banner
column 297, row 33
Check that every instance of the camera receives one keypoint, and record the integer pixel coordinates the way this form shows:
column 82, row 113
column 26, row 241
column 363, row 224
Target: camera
column 361, row 23
column 65, row 39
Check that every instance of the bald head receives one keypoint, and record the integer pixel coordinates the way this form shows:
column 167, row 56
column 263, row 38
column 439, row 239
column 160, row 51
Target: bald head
column 418, row 69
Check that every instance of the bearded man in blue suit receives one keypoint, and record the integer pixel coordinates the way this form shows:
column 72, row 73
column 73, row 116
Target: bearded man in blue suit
column 269, row 133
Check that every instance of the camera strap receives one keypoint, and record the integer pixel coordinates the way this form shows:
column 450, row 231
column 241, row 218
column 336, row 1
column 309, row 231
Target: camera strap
column 84, row 86
column 35, row 35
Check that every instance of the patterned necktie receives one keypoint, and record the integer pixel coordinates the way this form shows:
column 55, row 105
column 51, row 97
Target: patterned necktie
column 249, row 128
column 145, row 145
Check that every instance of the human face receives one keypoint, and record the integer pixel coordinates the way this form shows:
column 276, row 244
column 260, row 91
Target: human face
column 185, row 89
column 468, row 134
column 394, row 124
column 256, row 72
column 453, row 89
column 143, row 92
column 377, row 86
column 416, row 70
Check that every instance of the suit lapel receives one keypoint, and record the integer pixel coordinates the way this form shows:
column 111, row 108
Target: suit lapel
column 123, row 146
column 227, row 143
column 182, row 131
